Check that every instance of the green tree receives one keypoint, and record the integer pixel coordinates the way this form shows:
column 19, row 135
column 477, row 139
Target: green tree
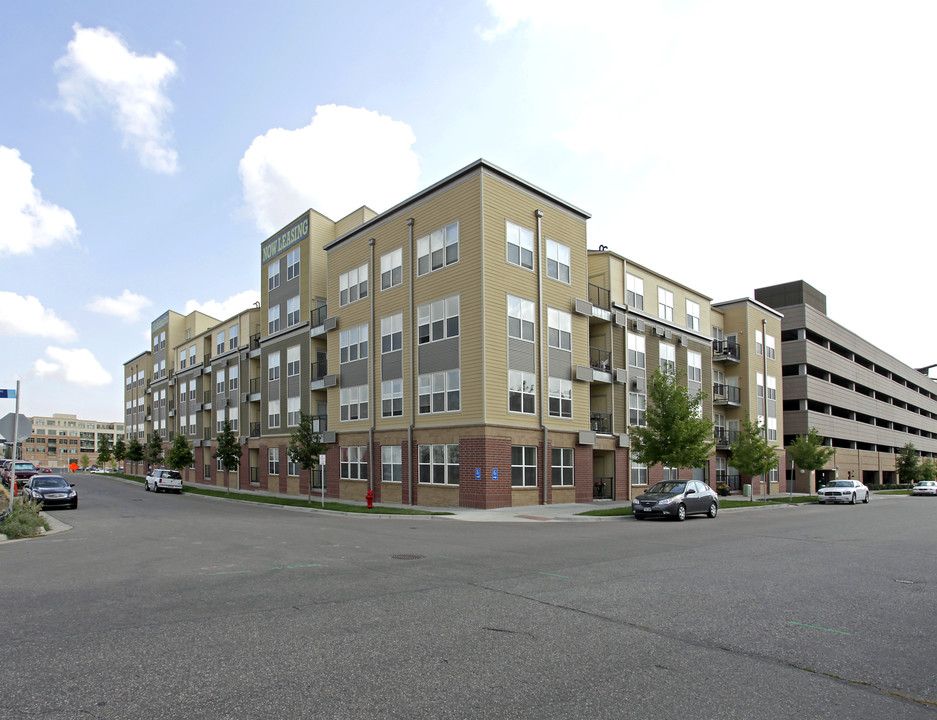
column 927, row 470
column 154, row 449
column 120, row 450
column 84, row 462
column 675, row 433
column 908, row 464
column 104, row 450
column 305, row 446
column 808, row 452
column 229, row 450
column 180, row 453
column 135, row 450
column 751, row 453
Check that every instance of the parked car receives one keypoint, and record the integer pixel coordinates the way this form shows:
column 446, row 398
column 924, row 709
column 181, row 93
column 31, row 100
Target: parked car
column 925, row 487
column 51, row 491
column 4, row 469
column 676, row 498
column 163, row 480
column 19, row 472
column 843, row 491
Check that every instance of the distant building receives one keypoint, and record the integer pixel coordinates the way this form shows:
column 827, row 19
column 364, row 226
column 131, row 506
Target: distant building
column 865, row 403
column 61, row 439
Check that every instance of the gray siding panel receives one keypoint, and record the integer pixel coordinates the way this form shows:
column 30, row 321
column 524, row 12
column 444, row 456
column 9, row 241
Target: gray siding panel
column 438, row 356
column 521, row 355
column 561, row 364
column 392, row 365
column 354, row 373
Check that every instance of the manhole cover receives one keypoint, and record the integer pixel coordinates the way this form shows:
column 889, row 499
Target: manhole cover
column 407, row 557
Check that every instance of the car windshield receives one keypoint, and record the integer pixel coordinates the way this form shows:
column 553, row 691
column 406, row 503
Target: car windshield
column 841, row 483
column 668, row 487
column 25, row 466
column 173, row 474
column 50, row 481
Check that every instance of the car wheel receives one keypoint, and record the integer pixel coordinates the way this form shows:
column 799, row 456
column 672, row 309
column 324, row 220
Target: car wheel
column 713, row 509
column 867, row 495
column 852, row 500
column 638, row 516
column 75, row 505
column 821, row 502
column 681, row 513
column 146, row 486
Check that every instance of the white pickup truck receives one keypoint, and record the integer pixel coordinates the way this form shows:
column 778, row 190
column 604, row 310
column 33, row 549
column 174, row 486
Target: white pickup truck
column 163, row 480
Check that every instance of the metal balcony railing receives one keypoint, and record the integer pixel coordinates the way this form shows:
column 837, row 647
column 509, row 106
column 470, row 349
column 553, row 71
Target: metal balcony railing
column 726, row 350
column 601, row 422
column 726, row 394
column 600, row 359
column 600, row 297
column 319, row 370
column 255, row 430
column 317, row 316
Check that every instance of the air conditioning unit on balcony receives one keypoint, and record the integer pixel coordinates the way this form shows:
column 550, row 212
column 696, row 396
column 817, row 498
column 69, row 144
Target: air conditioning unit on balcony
column 637, row 325
column 659, row 331
column 683, row 341
column 668, row 335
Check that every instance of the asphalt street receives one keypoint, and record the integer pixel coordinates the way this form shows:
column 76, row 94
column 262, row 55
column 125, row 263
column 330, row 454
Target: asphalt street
column 166, row 606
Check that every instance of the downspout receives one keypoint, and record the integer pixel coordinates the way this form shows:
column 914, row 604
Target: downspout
column 544, row 382
column 764, row 358
column 371, row 408
column 412, row 376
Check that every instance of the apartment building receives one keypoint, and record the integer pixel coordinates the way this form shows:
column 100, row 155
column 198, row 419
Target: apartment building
column 61, row 439
column 463, row 348
column 865, row 403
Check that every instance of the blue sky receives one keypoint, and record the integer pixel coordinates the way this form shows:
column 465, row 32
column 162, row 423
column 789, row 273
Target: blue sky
column 728, row 145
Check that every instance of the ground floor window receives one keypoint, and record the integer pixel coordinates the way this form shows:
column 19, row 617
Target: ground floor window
column 391, row 465
column 353, row 463
column 562, row 466
column 638, row 473
column 439, row 464
column 523, row 466
column 273, row 461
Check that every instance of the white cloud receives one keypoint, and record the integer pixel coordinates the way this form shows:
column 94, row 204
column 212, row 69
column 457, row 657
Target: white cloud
column 346, row 157
column 26, row 220
column 77, row 367
column 127, row 307
column 99, row 69
column 26, row 316
column 226, row 308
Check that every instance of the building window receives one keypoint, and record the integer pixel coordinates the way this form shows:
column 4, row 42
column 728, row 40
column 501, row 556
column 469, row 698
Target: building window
column 191, row 359
column 664, row 304
column 219, row 383
column 353, row 344
column 392, row 269
column 521, row 387
column 437, row 250
column 634, row 295
column 391, row 464
column 192, row 390
column 637, row 407
column 273, row 275
column 562, row 466
column 694, row 364
column 692, row 315
column 181, row 364
column 520, row 245
column 292, row 467
column 521, row 315
column 638, row 473
column 353, row 464
column 233, row 418
column 668, row 358
column 561, row 397
column 557, row 261
column 392, row 398
column 353, row 403
column 292, row 361
column 439, row 392
column 523, row 466
column 772, row 429
column 273, row 461
column 560, row 329
column 353, row 285
column 392, row 333
column 292, row 264
column 233, row 378
column 769, row 346
column 273, row 413
column 439, row 464
column 292, row 311
column 438, row 320
column 219, row 343
column 273, row 366
column 273, row 319
column 232, row 337
column 636, row 350
column 759, row 343
column 219, row 420
column 292, row 412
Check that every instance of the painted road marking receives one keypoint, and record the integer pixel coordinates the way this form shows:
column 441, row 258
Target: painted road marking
column 817, row 627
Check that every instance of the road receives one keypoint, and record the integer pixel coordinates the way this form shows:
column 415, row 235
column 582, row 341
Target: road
column 168, row 606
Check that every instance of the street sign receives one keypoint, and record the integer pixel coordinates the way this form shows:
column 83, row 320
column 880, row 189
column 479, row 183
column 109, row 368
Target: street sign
column 24, row 428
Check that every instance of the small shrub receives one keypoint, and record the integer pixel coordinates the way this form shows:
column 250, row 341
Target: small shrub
column 723, row 489
column 24, row 520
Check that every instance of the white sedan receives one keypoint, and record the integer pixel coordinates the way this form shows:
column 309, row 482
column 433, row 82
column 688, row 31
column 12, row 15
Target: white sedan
column 843, row 491
column 925, row 487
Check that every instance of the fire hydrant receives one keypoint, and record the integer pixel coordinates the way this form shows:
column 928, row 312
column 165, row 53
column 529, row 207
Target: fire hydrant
column 370, row 498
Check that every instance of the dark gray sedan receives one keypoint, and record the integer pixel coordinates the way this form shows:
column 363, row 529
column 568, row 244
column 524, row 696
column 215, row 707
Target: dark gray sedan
column 52, row 491
column 676, row 498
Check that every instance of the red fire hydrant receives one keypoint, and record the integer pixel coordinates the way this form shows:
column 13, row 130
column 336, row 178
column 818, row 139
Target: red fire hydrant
column 370, row 498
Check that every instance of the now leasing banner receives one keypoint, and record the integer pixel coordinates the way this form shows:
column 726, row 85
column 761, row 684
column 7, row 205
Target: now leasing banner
column 7, row 394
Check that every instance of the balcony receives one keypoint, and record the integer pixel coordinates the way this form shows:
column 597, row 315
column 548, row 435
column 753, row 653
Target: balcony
column 724, row 438
column 600, row 359
column 726, row 351
column 255, row 385
column 320, row 321
column 255, row 430
column 255, row 341
column 318, row 370
column 726, row 395
column 600, row 297
column 601, row 423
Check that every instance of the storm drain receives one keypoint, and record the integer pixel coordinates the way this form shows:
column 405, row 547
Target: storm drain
column 406, row 557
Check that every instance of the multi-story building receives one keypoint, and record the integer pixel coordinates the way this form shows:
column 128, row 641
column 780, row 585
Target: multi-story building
column 61, row 439
column 462, row 348
column 865, row 403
